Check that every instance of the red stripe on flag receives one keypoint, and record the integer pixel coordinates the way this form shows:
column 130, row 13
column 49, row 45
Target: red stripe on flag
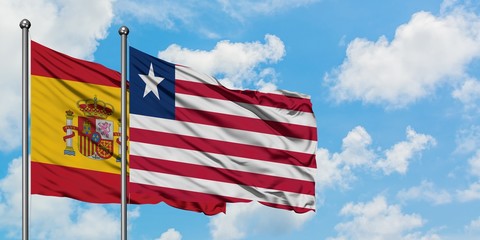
column 100, row 187
column 287, row 207
column 222, row 175
column 244, row 96
column 208, row 203
column 84, row 185
column 245, row 123
column 221, row 147
column 202, row 202
column 47, row 62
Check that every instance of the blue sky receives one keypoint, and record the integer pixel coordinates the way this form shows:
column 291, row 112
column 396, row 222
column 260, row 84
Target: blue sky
column 394, row 84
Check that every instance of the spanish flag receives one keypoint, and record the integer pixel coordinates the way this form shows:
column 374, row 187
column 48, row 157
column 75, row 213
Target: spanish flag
column 75, row 128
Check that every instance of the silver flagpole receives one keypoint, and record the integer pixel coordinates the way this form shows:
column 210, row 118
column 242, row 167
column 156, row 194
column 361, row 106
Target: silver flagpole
column 25, row 26
column 123, row 31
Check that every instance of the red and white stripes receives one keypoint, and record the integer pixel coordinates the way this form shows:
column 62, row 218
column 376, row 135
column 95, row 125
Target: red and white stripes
column 228, row 144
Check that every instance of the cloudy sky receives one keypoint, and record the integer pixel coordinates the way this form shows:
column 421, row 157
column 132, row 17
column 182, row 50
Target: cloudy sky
column 395, row 87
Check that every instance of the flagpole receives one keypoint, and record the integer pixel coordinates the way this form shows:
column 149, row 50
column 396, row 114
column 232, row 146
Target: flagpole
column 123, row 31
column 25, row 26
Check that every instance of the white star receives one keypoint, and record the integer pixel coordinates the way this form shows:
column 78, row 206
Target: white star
column 151, row 82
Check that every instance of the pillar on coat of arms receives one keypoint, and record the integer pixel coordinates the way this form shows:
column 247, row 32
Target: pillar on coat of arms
column 69, row 134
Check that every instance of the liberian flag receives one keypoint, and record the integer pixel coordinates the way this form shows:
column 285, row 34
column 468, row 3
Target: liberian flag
column 196, row 145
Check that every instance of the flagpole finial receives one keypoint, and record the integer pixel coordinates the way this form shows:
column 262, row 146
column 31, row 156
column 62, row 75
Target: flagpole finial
column 123, row 30
column 25, row 24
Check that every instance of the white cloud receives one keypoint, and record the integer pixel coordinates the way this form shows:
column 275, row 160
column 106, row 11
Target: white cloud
column 425, row 191
column 378, row 220
column 398, row 157
column 242, row 9
column 202, row 17
column 473, row 226
column 168, row 14
column 267, row 80
column 243, row 69
column 471, row 231
column 474, row 163
column 333, row 171
column 134, row 213
column 411, row 66
column 470, row 194
column 53, row 217
column 70, row 26
column 337, row 168
column 164, row 13
column 468, row 139
column 11, row 196
column 357, row 152
column 468, row 93
column 448, row 5
column 420, row 236
column 248, row 219
column 170, row 234
column 71, row 221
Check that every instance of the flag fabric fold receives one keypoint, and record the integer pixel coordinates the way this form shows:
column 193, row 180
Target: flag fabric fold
column 197, row 145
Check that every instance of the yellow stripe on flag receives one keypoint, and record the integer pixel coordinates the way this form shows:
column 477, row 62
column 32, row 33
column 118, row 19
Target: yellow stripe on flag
column 53, row 98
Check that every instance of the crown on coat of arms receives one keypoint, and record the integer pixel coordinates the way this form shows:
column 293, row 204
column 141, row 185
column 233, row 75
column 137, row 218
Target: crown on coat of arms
column 95, row 108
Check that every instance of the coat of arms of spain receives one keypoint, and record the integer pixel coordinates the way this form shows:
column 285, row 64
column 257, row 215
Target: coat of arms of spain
column 96, row 136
